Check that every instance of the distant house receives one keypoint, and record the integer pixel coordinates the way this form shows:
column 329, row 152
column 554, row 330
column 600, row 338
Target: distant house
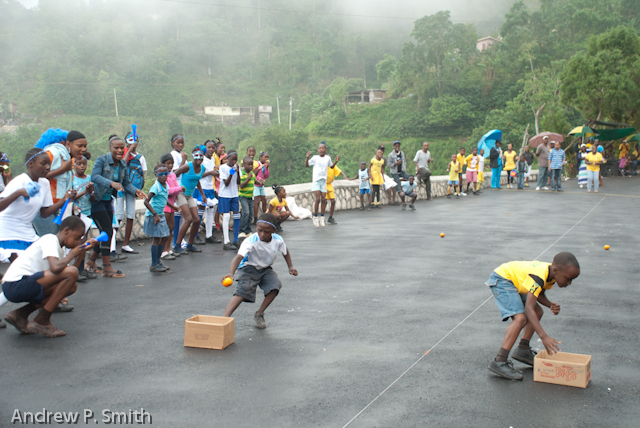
column 373, row 96
column 265, row 114
column 486, row 43
column 240, row 113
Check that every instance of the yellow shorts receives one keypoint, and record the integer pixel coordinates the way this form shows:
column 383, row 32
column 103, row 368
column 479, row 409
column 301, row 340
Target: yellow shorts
column 330, row 193
column 480, row 176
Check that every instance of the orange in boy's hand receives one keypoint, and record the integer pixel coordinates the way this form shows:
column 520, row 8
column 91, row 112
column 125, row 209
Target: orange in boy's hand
column 227, row 281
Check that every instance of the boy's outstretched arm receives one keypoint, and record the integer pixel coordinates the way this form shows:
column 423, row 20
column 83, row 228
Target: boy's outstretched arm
column 292, row 271
column 233, row 267
column 550, row 344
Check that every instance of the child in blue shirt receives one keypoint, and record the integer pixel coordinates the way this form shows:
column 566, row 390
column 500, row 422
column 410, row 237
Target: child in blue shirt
column 364, row 184
column 408, row 189
column 557, row 159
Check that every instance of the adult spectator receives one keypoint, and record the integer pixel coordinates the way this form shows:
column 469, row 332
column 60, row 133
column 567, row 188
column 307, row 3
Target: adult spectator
column 510, row 159
column 594, row 160
column 528, row 157
column 495, row 155
column 557, row 159
column 398, row 167
column 422, row 160
column 624, row 149
column 581, row 158
column 542, row 154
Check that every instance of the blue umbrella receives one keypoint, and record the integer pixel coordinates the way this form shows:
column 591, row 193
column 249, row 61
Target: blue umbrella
column 488, row 141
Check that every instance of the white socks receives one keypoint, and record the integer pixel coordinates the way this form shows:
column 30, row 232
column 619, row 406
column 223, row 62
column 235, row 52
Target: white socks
column 208, row 221
column 225, row 226
column 3, row 299
column 113, row 240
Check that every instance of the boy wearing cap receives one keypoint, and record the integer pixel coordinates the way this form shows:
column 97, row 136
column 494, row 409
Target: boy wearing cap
column 398, row 167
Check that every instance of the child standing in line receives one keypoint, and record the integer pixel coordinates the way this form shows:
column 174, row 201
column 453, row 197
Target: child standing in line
column 522, row 171
column 472, row 170
column 376, row 179
column 364, row 185
column 208, row 187
column 453, row 169
column 254, row 259
column 219, row 156
column 480, row 171
column 259, row 197
column 247, row 182
column 42, row 277
column 279, row 208
column 228, row 199
column 321, row 163
column 84, row 191
column 408, row 189
column 461, row 162
column 333, row 172
column 175, row 191
column 155, row 223
column 518, row 287
column 191, row 173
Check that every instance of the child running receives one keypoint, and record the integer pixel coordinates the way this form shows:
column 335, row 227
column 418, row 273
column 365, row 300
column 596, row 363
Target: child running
column 408, row 189
column 279, row 208
column 259, row 197
column 364, row 185
column 26, row 196
column 518, row 287
column 254, row 259
column 228, row 199
column 376, row 179
column 190, row 173
column 321, row 163
column 155, row 223
column 453, row 169
column 42, row 277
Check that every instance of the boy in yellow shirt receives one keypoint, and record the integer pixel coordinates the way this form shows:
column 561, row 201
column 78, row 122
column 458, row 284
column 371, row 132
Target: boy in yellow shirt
column 461, row 161
column 453, row 169
column 333, row 172
column 518, row 287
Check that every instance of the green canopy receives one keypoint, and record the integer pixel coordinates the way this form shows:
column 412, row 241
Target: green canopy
column 614, row 134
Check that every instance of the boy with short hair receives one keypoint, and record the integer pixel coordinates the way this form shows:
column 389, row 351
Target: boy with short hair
column 408, row 189
column 472, row 170
column 254, row 259
column 453, row 169
column 518, row 287
column 228, row 200
column 522, row 171
column 321, row 163
column 247, row 181
column 480, row 171
column 41, row 276
column 557, row 159
column 364, row 185
column 332, row 173
column 461, row 161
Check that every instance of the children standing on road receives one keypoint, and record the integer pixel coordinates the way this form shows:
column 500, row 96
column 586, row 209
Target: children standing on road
column 332, row 173
column 522, row 171
column 453, row 169
column 321, row 163
column 472, row 162
column 408, row 189
column 518, row 287
column 364, row 185
column 254, row 259
column 259, row 197
column 375, row 173
column 42, row 277
column 228, row 199
column 247, row 186
column 279, row 208
column 155, row 223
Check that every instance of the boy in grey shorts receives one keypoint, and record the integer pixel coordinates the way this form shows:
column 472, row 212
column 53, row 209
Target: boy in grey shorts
column 254, row 259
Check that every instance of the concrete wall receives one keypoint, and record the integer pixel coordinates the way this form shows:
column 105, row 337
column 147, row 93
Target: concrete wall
column 347, row 196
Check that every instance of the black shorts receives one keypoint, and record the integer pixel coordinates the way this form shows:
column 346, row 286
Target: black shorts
column 250, row 278
column 26, row 289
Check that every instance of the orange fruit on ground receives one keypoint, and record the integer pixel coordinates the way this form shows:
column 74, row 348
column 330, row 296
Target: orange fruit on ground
column 606, row 247
column 442, row 235
column 227, row 281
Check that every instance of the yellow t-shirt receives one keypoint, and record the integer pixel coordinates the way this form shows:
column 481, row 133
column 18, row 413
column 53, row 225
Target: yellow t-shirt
column 510, row 164
column 472, row 162
column 594, row 158
column 624, row 149
column 461, row 161
column 332, row 174
column 376, row 171
column 528, row 277
column 277, row 205
column 454, row 170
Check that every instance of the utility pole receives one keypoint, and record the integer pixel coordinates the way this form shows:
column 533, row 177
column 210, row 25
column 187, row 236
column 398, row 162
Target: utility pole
column 278, row 107
column 290, row 111
column 115, row 98
column 258, row 14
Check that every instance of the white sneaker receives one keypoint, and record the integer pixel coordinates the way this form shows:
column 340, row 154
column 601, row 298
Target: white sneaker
column 315, row 221
column 322, row 224
column 545, row 188
column 581, row 186
column 463, row 194
column 595, row 191
column 537, row 188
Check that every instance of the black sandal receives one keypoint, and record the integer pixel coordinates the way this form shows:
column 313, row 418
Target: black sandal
column 116, row 274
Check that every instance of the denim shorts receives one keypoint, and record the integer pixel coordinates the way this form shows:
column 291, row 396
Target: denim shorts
column 251, row 277
column 127, row 201
column 510, row 302
column 452, row 182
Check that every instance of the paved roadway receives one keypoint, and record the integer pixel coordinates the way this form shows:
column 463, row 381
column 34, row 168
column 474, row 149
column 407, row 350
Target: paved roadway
column 374, row 292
